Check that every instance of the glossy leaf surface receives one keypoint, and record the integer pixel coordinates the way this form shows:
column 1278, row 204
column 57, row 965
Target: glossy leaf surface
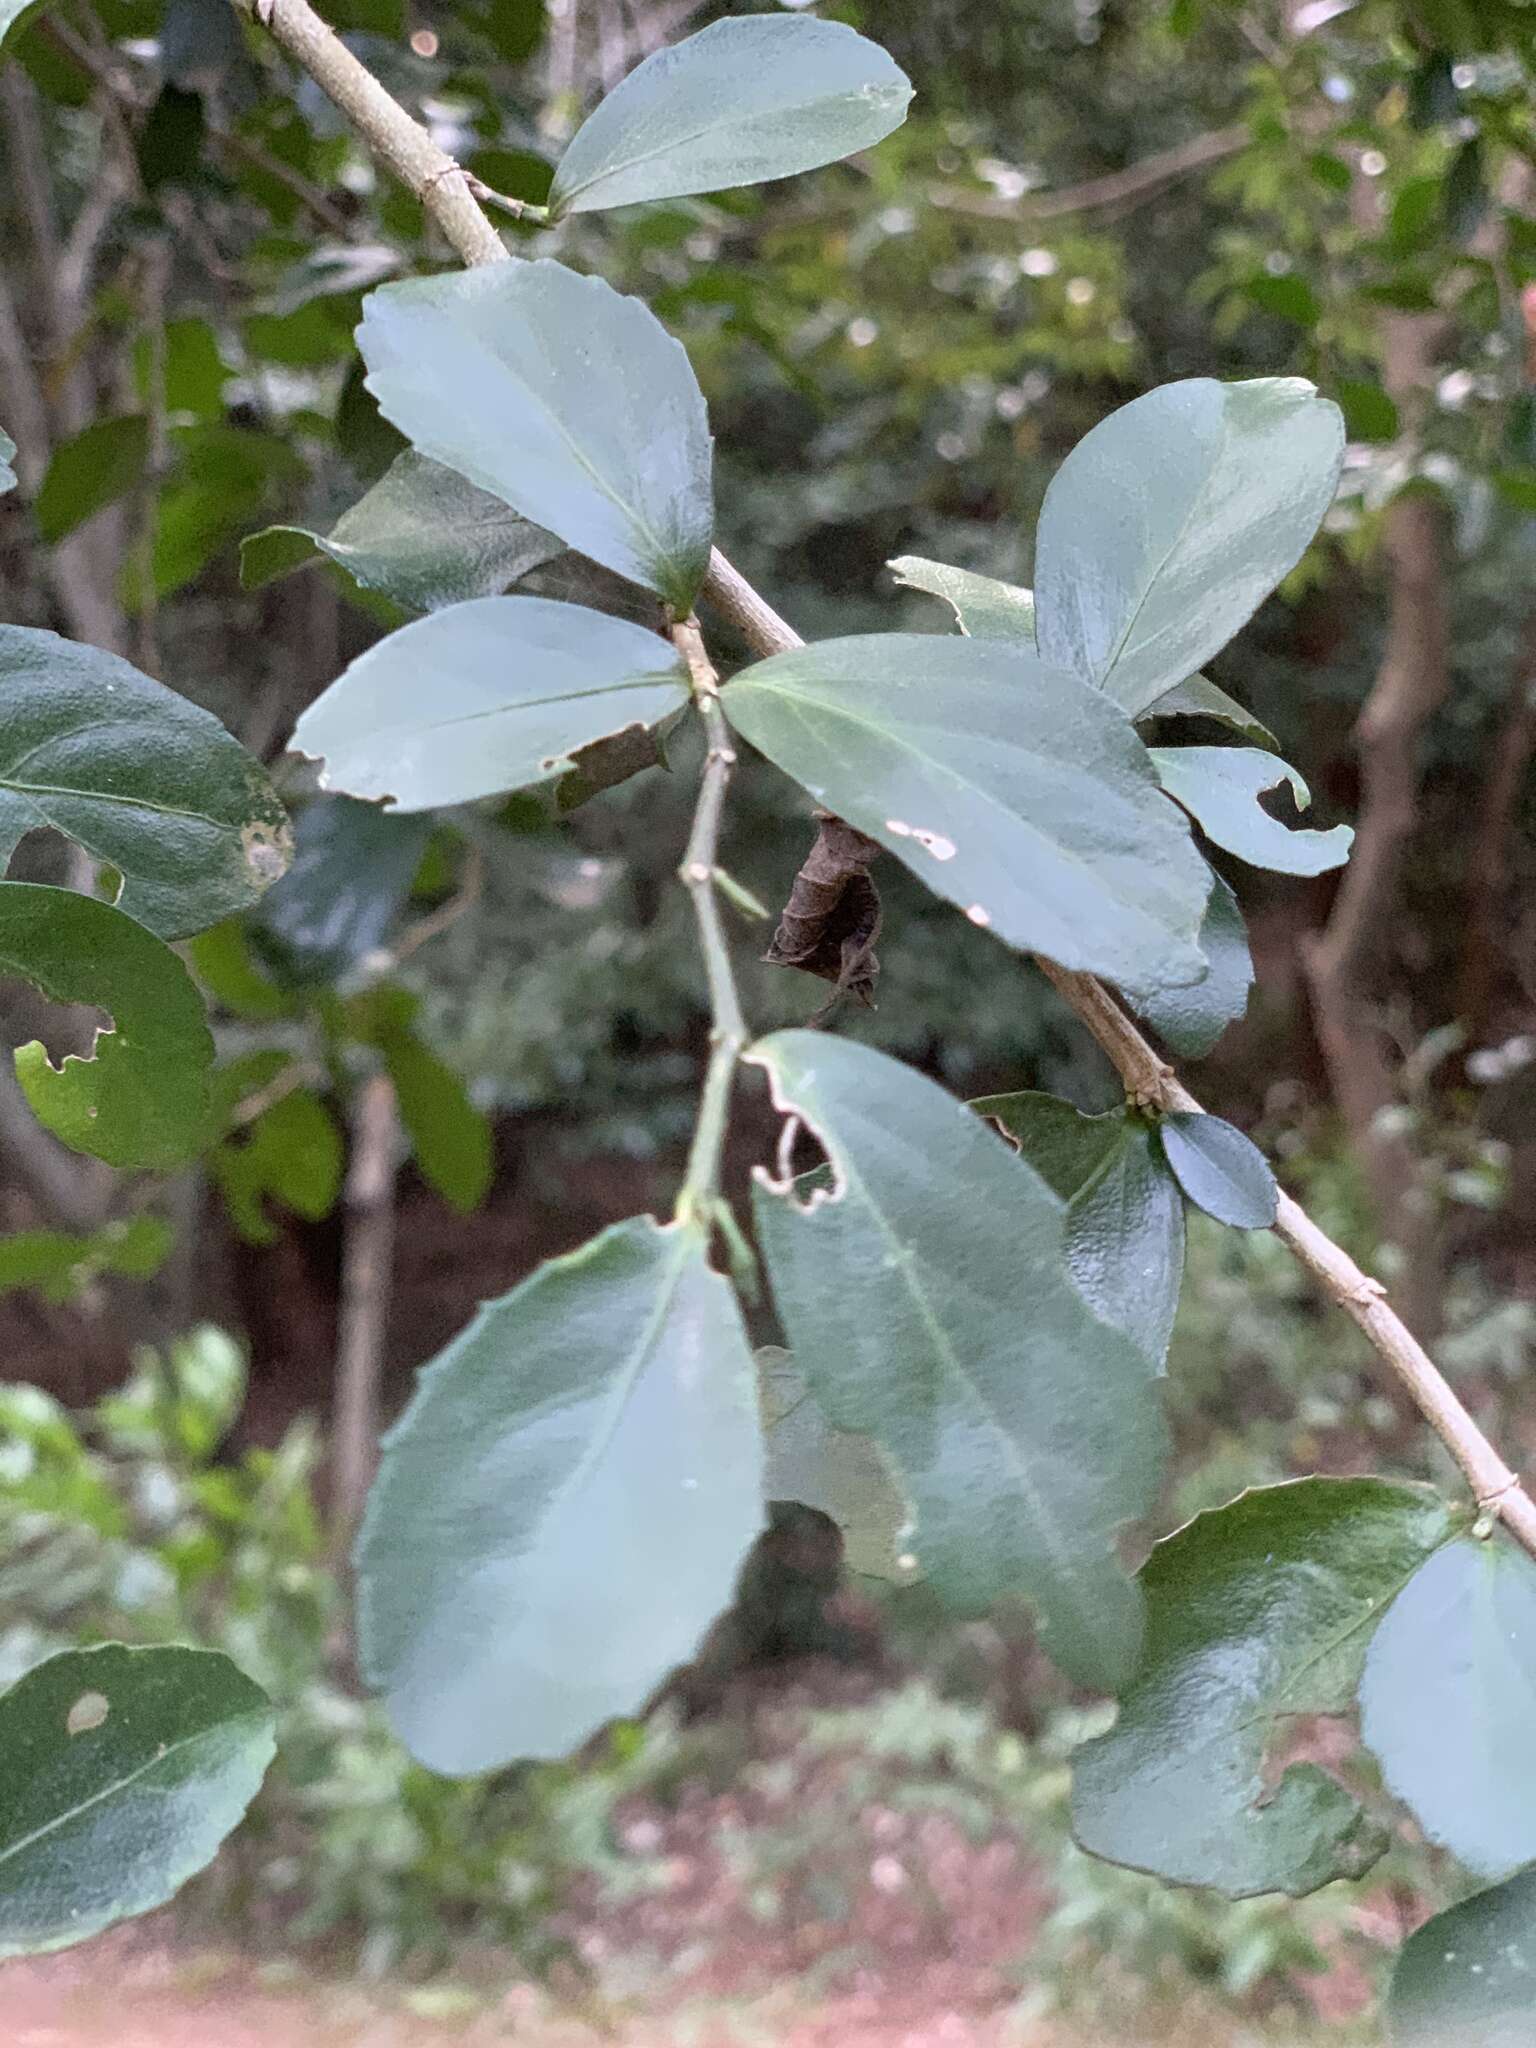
column 121, row 1772
column 1448, row 1703
column 928, row 1301
column 1256, row 1612
column 1012, row 789
column 561, row 1512
column 1220, row 1170
column 486, row 697
column 1220, row 788
column 563, row 398
column 1464, row 1979
column 761, row 96
column 424, row 536
column 1190, row 1020
column 1170, row 523
column 137, row 776
column 142, row 1099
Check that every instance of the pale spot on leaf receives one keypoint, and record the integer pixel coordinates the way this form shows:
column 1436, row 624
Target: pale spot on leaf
column 935, row 843
column 89, row 1711
column 268, row 848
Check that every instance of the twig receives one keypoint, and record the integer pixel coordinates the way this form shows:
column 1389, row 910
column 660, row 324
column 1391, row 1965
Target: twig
column 447, row 914
column 365, row 1297
column 431, row 175
column 700, row 1192
column 1137, row 182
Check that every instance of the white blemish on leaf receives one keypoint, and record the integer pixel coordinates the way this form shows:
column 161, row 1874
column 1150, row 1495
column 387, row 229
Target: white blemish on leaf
column 934, row 843
column 89, row 1711
column 897, row 829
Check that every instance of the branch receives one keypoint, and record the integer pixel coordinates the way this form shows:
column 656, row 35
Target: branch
column 1117, row 189
column 367, row 1260
column 440, row 185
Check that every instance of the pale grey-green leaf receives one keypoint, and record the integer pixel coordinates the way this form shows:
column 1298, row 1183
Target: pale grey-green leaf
column 1222, row 1171
column 563, row 398
column 561, row 1512
column 1168, row 525
column 1448, row 1703
column 984, row 608
column 1220, row 788
column 928, row 1301
column 1013, row 789
column 485, row 697
column 760, row 96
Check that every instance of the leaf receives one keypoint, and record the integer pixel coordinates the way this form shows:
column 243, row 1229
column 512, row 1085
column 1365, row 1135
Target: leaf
column 353, row 866
column 1220, row 1170
column 1198, row 697
column 984, row 608
column 1370, row 413
column 486, row 697
column 7, row 456
column 1012, row 789
column 561, row 1512
column 1191, row 1020
column 137, row 776
column 121, row 1772
column 1286, row 297
column 928, row 1302
column 1256, row 1613
column 1465, row 1979
column 832, row 1469
column 451, row 1138
column 291, row 1152
column 1125, row 1214
column 423, row 535
column 12, row 12
column 1220, row 786
column 1168, row 525
column 57, row 1264
column 1448, row 1703
column 142, row 1099
column 743, row 101
column 93, row 469
column 563, row 398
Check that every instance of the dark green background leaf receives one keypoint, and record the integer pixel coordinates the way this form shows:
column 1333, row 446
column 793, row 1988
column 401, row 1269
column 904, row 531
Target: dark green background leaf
column 1191, row 1020
column 102, row 461
column 353, row 866
column 121, row 1772
column 1464, row 1980
column 1219, row 1169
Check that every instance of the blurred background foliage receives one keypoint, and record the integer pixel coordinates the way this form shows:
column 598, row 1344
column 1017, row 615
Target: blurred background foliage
column 1088, row 200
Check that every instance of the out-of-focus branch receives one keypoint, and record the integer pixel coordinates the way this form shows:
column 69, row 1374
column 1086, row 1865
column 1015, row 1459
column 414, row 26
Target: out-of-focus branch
column 1115, row 191
column 367, row 1259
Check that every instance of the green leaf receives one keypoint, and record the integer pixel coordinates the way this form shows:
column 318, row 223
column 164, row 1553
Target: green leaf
column 142, row 1099
column 1220, row 787
column 1220, row 1170
column 353, row 866
column 451, row 1139
column 1256, row 1613
column 1448, row 1703
column 1287, row 298
column 486, row 697
column 13, row 12
column 1370, row 413
column 1168, row 525
column 1013, row 789
column 121, row 1772
column 95, row 468
column 7, row 457
column 1465, row 1979
column 1199, row 697
column 1125, row 1214
column 832, row 1469
column 928, row 1301
column 984, row 608
column 563, row 398
column 561, row 1512
column 225, row 966
column 1191, row 1020
column 759, row 97
column 423, row 535
column 291, row 1152
column 57, row 1264
column 137, row 776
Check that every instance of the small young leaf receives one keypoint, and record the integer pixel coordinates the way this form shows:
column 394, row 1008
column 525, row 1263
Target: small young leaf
column 1256, row 1613
column 94, row 469
column 486, row 697
column 353, row 866
column 984, row 608
column 832, row 1469
column 142, row 1099
column 121, row 1772
column 563, row 398
column 1448, row 1703
column 291, row 1153
column 1013, row 789
column 1167, row 526
column 1191, row 1020
column 449, row 1136
column 424, row 536
column 1220, row 786
column 561, row 1512
column 928, row 1301
column 1464, row 1980
column 744, row 100
column 1220, row 1170
column 1125, row 1214
column 138, row 777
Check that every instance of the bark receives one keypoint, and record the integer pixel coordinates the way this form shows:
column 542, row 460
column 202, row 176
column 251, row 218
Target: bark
column 1489, row 913
column 367, row 1261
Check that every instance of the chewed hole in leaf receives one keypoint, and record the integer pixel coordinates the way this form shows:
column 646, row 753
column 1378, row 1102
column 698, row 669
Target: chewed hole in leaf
column 803, row 1169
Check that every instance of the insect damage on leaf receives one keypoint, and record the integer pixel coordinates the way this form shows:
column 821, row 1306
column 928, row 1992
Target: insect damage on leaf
column 268, row 848
column 831, row 922
column 89, row 1711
